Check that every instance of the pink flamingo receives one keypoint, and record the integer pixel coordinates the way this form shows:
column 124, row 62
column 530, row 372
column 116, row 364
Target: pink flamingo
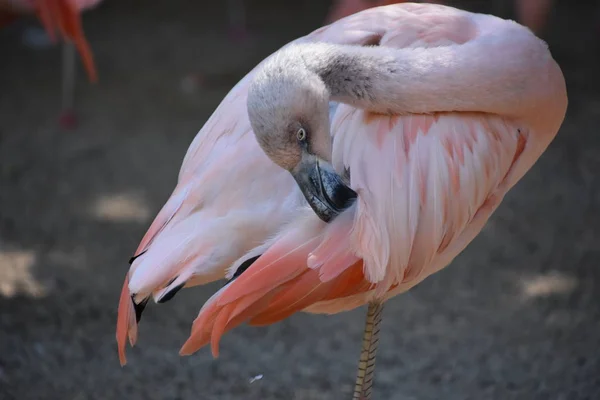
column 435, row 114
column 62, row 16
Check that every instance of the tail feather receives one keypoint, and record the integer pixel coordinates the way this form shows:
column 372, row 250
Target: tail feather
column 202, row 326
column 203, row 331
column 182, row 254
column 308, row 289
column 183, row 247
column 129, row 313
column 277, row 285
column 126, row 322
column 219, row 326
column 295, row 296
column 267, row 272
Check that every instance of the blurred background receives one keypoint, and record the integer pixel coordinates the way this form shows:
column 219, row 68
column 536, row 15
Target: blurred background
column 516, row 316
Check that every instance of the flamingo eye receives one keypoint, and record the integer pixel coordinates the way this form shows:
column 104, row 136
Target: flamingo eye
column 301, row 135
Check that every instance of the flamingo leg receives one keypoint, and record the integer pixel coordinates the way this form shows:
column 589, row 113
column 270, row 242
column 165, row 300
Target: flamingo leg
column 366, row 366
column 67, row 117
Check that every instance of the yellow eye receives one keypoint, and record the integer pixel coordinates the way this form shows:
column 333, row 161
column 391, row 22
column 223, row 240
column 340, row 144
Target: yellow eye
column 301, row 135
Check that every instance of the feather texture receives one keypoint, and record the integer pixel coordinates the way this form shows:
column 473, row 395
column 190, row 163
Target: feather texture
column 426, row 182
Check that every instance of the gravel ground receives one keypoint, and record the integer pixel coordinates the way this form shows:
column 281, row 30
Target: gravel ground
column 514, row 317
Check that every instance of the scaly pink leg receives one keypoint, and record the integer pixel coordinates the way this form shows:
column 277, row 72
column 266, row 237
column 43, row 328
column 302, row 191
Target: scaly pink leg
column 366, row 366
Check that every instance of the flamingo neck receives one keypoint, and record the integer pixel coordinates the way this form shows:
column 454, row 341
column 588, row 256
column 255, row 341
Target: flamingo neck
column 508, row 79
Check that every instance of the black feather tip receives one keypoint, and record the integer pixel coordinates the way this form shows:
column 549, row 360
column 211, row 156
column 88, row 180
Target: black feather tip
column 139, row 308
column 243, row 267
column 171, row 293
column 132, row 259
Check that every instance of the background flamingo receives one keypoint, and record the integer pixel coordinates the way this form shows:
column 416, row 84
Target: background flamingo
column 62, row 16
column 448, row 171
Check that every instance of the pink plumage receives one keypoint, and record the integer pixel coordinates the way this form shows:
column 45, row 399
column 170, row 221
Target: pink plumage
column 427, row 178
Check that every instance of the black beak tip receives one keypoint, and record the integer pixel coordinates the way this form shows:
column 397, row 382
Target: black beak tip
column 335, row 192
column 324, row 190
column 333, row 201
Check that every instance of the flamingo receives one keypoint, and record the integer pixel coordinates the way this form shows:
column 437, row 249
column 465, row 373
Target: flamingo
column 62, row 16
column 402, row 126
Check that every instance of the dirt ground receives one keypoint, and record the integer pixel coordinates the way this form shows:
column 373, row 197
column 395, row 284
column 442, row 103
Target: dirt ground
column 517, row 315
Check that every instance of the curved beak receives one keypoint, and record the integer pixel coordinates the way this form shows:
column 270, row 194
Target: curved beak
column 322, row 187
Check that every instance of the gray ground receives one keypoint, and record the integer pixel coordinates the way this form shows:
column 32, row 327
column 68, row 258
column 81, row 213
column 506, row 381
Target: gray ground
column 514, row 317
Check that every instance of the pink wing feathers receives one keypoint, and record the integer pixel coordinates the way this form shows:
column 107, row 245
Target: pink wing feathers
column 213, row 216
column 275, row 286
column 421, row 182
column 426, row 186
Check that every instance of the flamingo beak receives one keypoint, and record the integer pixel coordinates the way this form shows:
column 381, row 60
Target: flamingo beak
column 322, row 187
